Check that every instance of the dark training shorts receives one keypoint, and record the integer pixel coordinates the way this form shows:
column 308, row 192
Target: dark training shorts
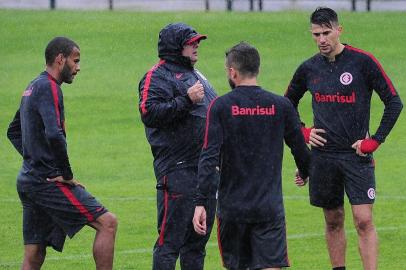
column 57, row 210
column 331, row 175
column 252, row 245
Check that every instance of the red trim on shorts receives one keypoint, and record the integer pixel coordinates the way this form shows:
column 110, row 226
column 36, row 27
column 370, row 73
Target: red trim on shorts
column 162, row 232
column 146, row 86
column 75, row 202
column 54, row 89
column 388, row 81
column 219, row 241
column 206, row 133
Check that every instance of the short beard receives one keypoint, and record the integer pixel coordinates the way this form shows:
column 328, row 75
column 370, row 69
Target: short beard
column 66, row 75
column 231, row 83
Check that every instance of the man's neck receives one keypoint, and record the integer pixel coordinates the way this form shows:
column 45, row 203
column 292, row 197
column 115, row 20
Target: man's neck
column 53, row 72
column 247, row 82
column 332, row 57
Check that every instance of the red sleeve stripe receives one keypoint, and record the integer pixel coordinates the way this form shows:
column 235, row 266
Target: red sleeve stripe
column 388, row 81
column 54, row 89
column 75, row 202
column 206, row 133
column 146, row 86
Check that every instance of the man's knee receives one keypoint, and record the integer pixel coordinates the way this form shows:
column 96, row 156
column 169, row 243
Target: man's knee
column 34, row 256
column 364, row 225
column 107, row 222
column 164, row 258
column 334, row 219
column 334, row 225
column 192, row 259
column 363, row 220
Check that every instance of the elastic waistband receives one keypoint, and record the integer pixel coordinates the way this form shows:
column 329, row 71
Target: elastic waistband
column 169, row 169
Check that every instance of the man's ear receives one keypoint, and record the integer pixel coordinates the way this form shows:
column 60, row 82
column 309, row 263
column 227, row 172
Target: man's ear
column 340, row 29
column 60, row 59
column 233, row 73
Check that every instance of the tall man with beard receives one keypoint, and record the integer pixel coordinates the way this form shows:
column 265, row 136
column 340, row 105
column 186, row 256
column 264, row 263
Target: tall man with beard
column 245, row 134
column 54, row 203
column 174, row 97
column 341, row 80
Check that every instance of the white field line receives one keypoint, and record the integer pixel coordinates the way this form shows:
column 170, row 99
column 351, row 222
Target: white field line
column 210, row 245
column 152, row 198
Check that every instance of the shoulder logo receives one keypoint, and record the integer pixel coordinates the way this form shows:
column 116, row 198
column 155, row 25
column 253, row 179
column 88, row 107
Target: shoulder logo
column 178, row 75
column 346, row 78
column 371, row 193
column 27, row 92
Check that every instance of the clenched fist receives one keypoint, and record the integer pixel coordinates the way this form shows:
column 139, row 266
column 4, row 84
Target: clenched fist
column 196, row 92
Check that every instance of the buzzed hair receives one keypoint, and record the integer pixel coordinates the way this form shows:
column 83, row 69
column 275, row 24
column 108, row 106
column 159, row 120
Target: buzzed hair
column 324, row 16
column 59, row 45
column 244, row 58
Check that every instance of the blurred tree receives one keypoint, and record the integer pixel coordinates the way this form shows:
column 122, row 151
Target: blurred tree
column 229, row 5
column 207, row 5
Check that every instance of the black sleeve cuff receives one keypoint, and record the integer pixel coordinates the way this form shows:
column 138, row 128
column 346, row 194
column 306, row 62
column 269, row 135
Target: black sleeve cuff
column 303, row 175
column 379, row 140
column 67, row 174
column 200, row 202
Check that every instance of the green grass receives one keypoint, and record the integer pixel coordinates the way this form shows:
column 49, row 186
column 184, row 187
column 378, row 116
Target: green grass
column 107, row 145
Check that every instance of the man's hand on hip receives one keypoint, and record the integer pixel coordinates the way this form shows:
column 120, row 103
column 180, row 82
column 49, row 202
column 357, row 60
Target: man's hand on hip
column 60, row 179
column 315, row 139
column 366, row 146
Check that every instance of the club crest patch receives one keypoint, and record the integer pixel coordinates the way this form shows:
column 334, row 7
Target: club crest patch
column 371, row 193
column 346, row 78
column 27, row 92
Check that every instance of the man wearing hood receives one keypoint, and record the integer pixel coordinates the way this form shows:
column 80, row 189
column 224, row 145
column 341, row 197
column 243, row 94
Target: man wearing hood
column 173, row 102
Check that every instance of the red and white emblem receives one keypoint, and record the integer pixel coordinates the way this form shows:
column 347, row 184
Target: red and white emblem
column 346, row 78
column 371, row 193
column 27, row 92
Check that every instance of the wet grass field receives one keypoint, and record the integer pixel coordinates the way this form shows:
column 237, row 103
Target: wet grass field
column 107, row 145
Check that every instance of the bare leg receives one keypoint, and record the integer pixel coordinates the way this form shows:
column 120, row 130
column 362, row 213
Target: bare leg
column 103, row 246
column 34, row 256
column 335, row 235
column 367, row 236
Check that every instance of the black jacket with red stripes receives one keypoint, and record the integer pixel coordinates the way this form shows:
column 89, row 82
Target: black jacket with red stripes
column 37, row 132
column 341, row 97
column 245, row 135
column 174, row 126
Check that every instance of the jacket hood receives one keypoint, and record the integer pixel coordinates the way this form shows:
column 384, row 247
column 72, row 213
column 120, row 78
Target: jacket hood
column 172, row 38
